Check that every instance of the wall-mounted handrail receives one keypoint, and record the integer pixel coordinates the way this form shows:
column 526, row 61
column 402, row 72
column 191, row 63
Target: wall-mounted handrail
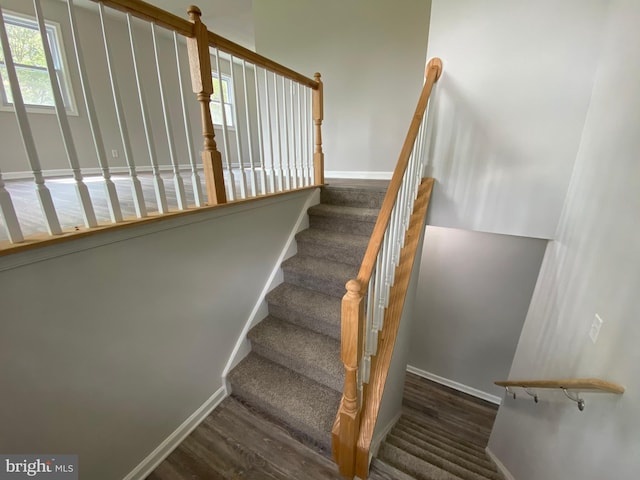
column 567, row 385
column 369, row 298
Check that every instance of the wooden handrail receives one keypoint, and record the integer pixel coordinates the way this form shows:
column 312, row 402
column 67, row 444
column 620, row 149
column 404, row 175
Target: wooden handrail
column 151, row 13
column 239, row 51
column 356, row 417
column 432, row 74
column 582, row 384
column 372, row 395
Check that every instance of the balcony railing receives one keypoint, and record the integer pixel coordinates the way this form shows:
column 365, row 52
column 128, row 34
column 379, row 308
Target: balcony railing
column 133, row 62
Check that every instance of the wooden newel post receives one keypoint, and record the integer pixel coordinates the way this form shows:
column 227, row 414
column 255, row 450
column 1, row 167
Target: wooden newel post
column 318, row 116
column 202, row 82
column 351, row 351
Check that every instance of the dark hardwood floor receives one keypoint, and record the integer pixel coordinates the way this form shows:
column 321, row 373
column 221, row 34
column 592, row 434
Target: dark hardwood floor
column 236, row 443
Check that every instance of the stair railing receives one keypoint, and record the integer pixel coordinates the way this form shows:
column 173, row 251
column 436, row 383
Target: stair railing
column 371, row 309
column 270, row 121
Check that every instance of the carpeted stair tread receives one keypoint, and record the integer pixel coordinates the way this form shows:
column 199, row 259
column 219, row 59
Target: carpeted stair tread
column 317, row 274
column 344, row 219
column 305, row 406
column 383, row 471
column 446, row 426
column 412, row 465
column 454, row 446
column 333, row 246
column 454, row 462
column 353, row 196
column 455, row 468
column 308, row 308
column 309, row 353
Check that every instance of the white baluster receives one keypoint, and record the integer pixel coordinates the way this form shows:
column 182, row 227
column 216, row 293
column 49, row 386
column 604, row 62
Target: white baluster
column 285, row 122
column 281, row 184
column 113, row 203
column 299, row 152
column 243, row 177
column 8, row 215
column 177, row 179
column 225, row 134
column 158, row 184
column 303, row 135
column 44, row 196
column 136, row 187
column 272, row 176
column 310, row 145
column 195, row 178
column 82, row 191
column 252, row 166
column 294, row 150
column 263, row 157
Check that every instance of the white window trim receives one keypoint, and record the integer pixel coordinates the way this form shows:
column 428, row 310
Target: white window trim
column 72, row 108
column 231, row 100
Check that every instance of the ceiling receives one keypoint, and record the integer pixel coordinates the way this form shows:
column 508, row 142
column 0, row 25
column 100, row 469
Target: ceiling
column 232, row 19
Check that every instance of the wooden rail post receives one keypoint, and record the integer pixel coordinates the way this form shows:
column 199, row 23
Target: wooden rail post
column 318, row 116
column 202, row 82
column 351, row 351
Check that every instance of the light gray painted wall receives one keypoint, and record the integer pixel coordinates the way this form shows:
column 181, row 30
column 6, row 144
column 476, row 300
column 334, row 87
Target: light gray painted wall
column 106, row 351
column 593, row 267
column 473, row 294
column 509, row 110
column 371, row 55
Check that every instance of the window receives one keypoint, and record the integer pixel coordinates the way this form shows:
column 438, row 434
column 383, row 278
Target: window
column 31, row 67
column 222, row 85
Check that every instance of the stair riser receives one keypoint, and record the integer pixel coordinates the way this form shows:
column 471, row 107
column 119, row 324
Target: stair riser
column 333, row 252
column 333, row 287
column 342, row 225
column 304, row 320
column 352, row 198
column 311, row 371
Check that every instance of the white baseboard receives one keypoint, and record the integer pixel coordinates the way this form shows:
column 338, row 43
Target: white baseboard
column 260, row 310
column 172, row 441
column 455, row 385
column 88, row 171
column 499, row 465
column 356, row 174
column 381, row 435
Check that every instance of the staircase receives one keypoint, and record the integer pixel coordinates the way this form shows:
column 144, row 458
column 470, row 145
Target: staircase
column 294, row 374
column 441, row 435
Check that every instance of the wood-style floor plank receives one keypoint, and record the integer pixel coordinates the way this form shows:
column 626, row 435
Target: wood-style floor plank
column 235, row 442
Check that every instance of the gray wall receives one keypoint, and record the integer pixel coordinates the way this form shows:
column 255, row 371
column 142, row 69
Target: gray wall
column 105, row 351
column 371, row 55
column 593, row 267
column 474, row 292
column 509, row 109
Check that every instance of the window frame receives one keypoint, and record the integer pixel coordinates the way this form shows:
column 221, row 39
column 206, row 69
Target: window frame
column 54, row 34
column 230, row 100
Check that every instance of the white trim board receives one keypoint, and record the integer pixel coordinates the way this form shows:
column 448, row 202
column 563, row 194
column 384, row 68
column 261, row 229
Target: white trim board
column 455, row 385
column 260, row 310
column 359, row 175
column 170, row 443
column 89, row 171
column 377, row 439
column 499, row 465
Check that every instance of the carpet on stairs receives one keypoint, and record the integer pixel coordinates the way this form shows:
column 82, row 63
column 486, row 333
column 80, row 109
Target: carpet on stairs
column 293, row 374
column 441, row 435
